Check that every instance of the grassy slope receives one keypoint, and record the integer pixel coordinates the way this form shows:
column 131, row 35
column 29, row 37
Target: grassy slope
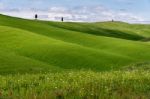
column 49, row 44
column 13, row 63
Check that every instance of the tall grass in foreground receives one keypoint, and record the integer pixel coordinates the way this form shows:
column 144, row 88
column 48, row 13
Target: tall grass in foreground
column 77, row 85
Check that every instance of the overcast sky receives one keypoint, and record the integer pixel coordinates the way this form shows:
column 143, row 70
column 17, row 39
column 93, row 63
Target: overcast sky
column 79, row 10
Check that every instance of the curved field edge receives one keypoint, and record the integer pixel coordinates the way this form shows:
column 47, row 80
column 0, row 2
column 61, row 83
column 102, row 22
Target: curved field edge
column 53, row 51
column 68, row 49
column 77, row 84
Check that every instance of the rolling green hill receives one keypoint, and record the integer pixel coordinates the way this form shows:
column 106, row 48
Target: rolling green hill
column 33, row 46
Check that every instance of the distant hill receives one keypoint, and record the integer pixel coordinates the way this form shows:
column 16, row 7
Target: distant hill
column 33, row 46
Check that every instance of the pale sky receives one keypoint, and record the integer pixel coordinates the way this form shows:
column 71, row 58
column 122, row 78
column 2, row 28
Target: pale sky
column 79, row 10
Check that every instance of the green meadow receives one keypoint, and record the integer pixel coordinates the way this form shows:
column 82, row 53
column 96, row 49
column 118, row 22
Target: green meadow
column 68, row 60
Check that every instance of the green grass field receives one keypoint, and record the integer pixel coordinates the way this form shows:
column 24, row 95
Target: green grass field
column 31, row 48
column 77, row 85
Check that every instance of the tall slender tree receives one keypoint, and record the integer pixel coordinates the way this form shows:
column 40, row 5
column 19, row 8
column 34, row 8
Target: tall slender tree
column 62, row 19
column 36, row 16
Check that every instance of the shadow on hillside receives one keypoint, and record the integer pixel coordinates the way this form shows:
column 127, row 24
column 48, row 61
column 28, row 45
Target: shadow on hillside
column 146, row 40
column 98, row 31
